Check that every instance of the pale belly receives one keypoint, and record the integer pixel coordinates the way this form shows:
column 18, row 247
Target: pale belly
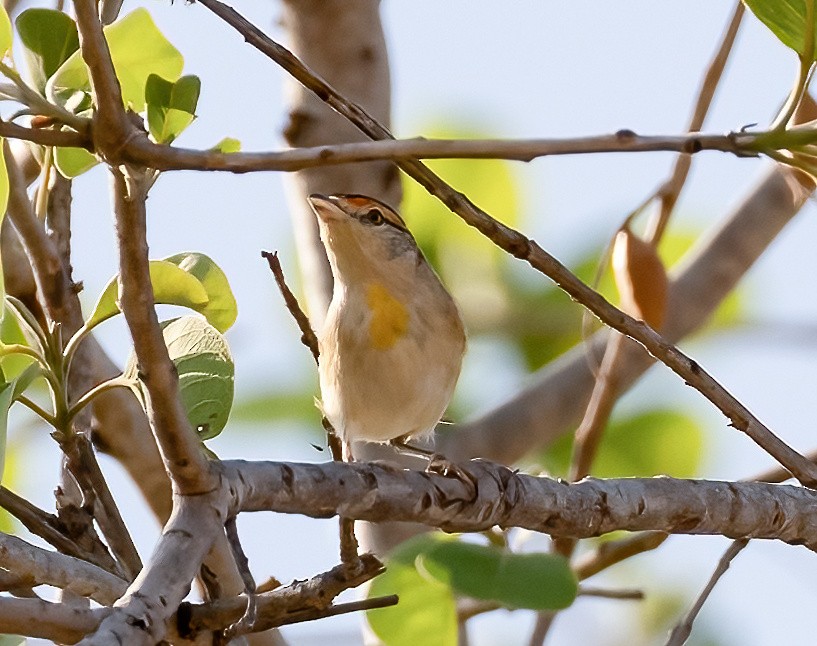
column 379, row 395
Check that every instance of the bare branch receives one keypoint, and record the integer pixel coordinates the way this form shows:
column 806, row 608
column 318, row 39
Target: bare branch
column 42, row 567
column 610, row 553
column 180, row 447
column 111, row 129
column 163, row 157
column 376, row 492
column 42, row 524
column 57, row 622
column 308, row 337
column 671, row 189
column 141, row 615
column 681, row 632
column 276, row 606
column 45, row 137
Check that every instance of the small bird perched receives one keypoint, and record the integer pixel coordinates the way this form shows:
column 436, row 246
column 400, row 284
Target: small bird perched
column 392, row 344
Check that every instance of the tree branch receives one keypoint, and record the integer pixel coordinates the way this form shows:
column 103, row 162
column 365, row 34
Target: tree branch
column 682, row 631
column 42, row 567
column 181, row 451
column 275, row 606
column 140, row 616
column 142, row 151
column 57, row 622
column 506, row 498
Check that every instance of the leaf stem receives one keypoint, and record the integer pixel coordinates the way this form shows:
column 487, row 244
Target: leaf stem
column 39, row 104
column 87, row 398
column 41, row 412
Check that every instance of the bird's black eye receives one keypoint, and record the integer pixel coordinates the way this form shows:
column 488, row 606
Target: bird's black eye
column 374, row 216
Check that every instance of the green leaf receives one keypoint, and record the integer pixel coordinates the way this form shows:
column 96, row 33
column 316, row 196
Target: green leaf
column 72, row 162
column 533, row 581
column 426, row 613
column 649, row 443
column 171, row 285
column 227, row 145
column 5, row 32
column 6, row 399
column 4, row 200
column 787, row 21
column 206, row 372
column 221, row 309
column 25, row 379
column 11, row 333
column 49, row 38
column 138, row 49
column 171, row 107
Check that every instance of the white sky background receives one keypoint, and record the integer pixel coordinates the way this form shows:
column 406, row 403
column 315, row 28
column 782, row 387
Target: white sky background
column 516, row 69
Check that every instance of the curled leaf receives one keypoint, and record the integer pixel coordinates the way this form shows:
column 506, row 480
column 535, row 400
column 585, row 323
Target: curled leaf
column 641, row 278
column 172, row 285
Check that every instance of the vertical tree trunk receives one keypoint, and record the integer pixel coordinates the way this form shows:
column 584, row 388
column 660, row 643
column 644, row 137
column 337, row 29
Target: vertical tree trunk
column 341, row 40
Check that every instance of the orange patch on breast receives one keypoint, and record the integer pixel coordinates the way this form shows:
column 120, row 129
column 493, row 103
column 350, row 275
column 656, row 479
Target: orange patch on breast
column 389, row 322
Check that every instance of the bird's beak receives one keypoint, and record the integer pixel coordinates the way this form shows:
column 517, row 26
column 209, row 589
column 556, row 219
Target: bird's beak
column 326, row 208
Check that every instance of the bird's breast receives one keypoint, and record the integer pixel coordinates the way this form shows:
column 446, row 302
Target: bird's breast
column 389, row 318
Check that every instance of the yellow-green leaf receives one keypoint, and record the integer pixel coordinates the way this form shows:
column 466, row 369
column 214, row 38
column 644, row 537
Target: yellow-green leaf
column 426, row 613
column 221, row 309
column 171, row 285
column 206, row 372
column 138, row 49
column 5, row 32
column 787, row 20
column 72, row 162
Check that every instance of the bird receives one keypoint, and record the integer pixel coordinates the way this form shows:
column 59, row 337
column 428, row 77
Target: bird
column 392, row 343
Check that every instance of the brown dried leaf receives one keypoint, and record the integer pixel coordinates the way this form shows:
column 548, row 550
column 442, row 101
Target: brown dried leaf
column 640, row 277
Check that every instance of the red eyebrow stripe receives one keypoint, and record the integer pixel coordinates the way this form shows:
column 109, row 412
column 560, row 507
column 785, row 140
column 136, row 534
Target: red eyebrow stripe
column 358, row 201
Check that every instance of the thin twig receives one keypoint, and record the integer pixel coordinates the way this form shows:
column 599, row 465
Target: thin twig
column 280, row 603
column 670, row 191
column 142, row 151
column 612, row 552
column 349, row 547
column 246, row 623
column 41, row 523
column 526, row 249
column 604, row 593
column 308, row 337
column 681, row 632
column 110, row 520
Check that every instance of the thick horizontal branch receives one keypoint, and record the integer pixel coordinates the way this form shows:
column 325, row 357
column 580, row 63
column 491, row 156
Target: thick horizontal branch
column 506, row 498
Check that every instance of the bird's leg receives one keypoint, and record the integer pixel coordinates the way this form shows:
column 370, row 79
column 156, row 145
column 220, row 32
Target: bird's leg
column 437, row 463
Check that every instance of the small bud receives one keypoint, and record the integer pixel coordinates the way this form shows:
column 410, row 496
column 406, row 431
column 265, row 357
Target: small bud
column 41, row 121
column 640, row 278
